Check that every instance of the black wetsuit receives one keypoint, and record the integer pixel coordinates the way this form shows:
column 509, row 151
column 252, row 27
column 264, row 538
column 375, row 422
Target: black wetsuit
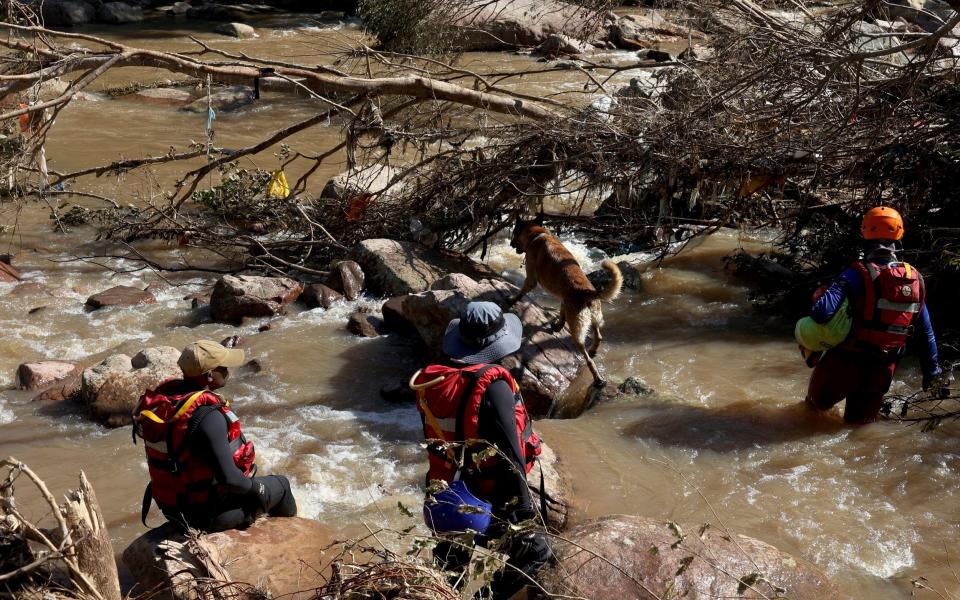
column 528, row 553
column 239, row 499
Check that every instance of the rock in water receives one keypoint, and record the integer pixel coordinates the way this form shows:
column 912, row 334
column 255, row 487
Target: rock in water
column 546, row 365
column 395, row 268
column 164, row 96
column 558, row 44
column 348, row 279
column 509, row 24
column 33, row 376
column 237, row 30
column 645, row 558
column 317, row 295
column 67, row 12
column 283, row 555
column 222, row 101
column 112, row 389
column 363, row 325
column 373, row 179
column 119, row 12
column 236, row 297
column 121, row 295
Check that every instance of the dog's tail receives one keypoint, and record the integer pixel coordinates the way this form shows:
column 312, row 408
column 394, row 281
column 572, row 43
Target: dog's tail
column 611, row 291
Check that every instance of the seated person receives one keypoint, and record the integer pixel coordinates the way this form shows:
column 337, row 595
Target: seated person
column 201, row 466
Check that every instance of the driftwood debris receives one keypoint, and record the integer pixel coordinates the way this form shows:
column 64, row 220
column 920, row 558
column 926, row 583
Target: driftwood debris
column 94, row 552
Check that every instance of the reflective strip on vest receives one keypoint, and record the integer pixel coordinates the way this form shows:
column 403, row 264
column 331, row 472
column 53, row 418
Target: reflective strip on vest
column 905, row 307
column 236, row 443
column 157, row 446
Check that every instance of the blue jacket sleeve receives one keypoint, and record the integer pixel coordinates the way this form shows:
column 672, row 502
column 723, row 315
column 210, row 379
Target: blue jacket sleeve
column 929, row 360
column 847, row 285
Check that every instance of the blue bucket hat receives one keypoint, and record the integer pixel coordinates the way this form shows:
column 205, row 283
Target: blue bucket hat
column 483, row 334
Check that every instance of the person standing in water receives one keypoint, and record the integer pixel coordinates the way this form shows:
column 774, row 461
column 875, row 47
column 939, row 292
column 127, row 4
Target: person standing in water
column 482, row 446
column 887, row 300
column 201, row 466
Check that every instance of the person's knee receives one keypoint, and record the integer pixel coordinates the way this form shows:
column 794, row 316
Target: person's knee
column 283, row 503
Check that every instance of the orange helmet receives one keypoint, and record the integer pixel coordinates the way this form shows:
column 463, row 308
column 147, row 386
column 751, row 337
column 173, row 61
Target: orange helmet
column 882, row 223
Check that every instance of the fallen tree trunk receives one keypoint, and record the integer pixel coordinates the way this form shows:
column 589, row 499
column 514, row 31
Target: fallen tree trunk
column 91, row 539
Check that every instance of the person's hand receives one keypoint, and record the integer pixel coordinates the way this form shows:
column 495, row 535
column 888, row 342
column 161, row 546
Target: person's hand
column 937, row 384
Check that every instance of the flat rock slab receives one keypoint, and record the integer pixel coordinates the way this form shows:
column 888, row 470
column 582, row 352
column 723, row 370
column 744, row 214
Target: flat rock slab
column 644, row 559
column 282, row 555
column 37, row 375
column 236, row 297
column 395, row 268
column 163, row 96
column 547, row 364
column 121, row 295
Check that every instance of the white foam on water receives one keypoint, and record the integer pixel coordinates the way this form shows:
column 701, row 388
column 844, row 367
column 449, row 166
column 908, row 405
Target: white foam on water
column 6, row 415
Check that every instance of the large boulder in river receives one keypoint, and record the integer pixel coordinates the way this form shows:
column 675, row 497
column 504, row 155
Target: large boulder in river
column 36, row 375
column 112, row 389
column 236, row 297
column 120, row 295
column 119, row 12
column 546, row 366
column 638, row 558
column 317, row 295
column 238, row 30
column 226, row 100
column 509, row 24
column 347, row 278
column 645, row 30
column 395, row 268
column 66, row 12
column 282, row 555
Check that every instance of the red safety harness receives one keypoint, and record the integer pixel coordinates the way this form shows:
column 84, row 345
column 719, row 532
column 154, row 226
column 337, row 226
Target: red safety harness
column 893, row 296
column 178, row 480
column 449, row 400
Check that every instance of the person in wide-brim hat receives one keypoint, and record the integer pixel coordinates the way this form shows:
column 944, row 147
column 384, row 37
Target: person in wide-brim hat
column 474, row 404
column 484, row 334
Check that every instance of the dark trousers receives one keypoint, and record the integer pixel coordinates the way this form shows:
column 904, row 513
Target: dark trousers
column 862, row 378
column 275, row 498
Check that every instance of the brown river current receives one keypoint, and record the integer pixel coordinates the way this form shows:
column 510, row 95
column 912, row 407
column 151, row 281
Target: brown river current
column 723, row 441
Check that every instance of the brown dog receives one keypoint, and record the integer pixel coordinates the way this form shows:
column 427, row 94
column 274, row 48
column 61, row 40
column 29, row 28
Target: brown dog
column 550, row 264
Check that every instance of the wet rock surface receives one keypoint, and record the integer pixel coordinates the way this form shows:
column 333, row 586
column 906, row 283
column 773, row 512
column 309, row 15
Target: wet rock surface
column 547, row 364
column 8, row 273
column 238, row 30
column 236, row 297
column 119, row 12
column 121, row 295
column 348, row 279
column 282, row 555
column 37, row 375
column 317, row 295
column 364, row 325
column 112, row 389
column 395, row 268
column 644, row 558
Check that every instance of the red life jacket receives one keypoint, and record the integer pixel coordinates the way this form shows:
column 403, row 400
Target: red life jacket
column 449, row 400
column 893, row 296
column 178, row 480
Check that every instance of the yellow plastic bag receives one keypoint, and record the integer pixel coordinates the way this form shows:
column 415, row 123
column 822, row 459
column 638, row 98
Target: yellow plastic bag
column 278, row 188
column 817, row 337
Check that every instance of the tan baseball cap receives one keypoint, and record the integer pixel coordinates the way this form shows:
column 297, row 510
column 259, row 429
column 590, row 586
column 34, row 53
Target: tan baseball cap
column 205, row 355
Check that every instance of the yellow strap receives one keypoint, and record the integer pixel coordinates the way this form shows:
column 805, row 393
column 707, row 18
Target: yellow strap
column 908, row 269
column 186, row 405
column 151, row 415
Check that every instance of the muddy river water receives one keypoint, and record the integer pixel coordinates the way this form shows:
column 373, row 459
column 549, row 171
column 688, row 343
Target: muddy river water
column 724, row 439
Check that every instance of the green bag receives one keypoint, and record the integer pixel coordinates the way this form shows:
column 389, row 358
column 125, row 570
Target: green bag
column 817, row 337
